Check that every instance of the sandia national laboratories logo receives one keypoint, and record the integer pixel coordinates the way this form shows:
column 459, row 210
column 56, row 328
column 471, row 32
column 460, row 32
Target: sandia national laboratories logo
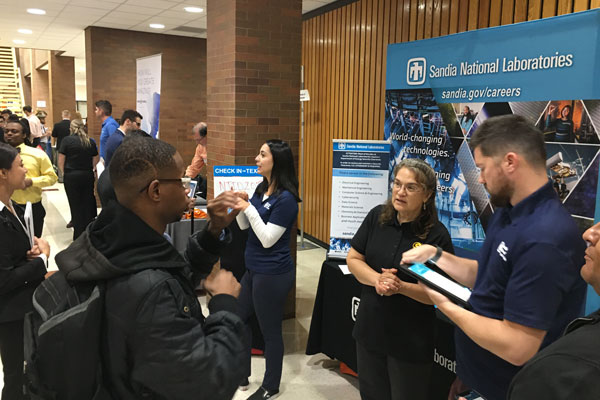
column 415, row 71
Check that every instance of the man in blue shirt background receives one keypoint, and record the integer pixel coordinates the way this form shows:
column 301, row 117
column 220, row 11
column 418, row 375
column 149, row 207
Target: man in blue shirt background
column 131, row 120
column 103, row 111
column 526, row 283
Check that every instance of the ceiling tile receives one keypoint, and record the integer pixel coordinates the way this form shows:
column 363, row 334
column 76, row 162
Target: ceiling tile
column 92, row 4
column 139, row 10
column 180, row 15
column 162, row 4
column 124, row 18
column 199, row 23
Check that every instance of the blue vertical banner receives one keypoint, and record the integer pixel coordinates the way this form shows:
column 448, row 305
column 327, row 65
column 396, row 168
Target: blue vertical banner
column 438, row 91
column 360, row 181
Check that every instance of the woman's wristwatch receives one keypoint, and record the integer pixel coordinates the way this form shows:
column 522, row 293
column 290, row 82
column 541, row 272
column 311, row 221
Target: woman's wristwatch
column 438, row 254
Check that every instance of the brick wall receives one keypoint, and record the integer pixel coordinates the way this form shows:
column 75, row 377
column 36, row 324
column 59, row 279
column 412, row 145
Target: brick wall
column 254, row 53
column 62, row 86
column 111, row 74
column 253, row 82
column 39, row 83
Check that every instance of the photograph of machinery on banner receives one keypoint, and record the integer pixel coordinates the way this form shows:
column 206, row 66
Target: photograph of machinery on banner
column 418, row 127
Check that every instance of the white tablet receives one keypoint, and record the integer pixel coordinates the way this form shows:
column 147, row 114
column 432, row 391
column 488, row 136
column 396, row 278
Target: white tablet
column 455, row 292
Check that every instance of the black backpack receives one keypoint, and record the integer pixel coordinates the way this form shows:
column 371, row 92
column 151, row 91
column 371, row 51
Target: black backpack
column 63, row 341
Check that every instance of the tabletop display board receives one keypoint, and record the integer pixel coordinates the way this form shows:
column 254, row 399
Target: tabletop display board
column 438, row 91
column 359, row 183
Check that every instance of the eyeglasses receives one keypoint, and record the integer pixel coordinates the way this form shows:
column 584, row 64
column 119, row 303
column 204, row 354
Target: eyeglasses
column 185, row 182
column 410, row 187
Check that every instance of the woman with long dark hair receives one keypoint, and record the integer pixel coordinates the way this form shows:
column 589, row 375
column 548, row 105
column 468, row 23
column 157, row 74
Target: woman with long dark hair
column 77, row 159
column 270, row 274
column 562, row 124
column 22, row 268
column 395, row 322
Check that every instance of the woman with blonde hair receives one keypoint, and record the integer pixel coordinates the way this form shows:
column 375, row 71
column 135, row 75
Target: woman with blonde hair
column 77, row 159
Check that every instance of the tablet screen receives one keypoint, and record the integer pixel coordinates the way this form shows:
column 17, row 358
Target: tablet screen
column 440, row 281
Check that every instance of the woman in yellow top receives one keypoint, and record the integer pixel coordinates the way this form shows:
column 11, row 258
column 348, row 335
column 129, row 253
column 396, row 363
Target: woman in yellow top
column 40, row 172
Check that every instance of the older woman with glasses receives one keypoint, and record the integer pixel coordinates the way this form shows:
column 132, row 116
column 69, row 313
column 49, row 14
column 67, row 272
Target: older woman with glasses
column 395, row 322
column 77, row 159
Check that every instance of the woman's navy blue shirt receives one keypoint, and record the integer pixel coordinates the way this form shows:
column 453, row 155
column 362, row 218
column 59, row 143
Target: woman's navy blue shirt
column 279, row 209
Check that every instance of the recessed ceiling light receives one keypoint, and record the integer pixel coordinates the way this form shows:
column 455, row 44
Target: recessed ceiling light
column 193, row 9
column 18, row 41
column 25, row 31
column 36, row 11
column 157, row 26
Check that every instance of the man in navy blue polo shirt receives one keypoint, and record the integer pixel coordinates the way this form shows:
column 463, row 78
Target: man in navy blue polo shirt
column 526, row 283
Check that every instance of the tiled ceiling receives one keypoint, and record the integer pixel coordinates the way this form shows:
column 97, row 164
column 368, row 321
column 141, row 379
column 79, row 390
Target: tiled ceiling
column 61, row 28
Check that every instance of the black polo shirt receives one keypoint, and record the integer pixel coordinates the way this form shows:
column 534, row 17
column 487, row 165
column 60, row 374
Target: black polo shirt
column 394, row 325
column 78, row 157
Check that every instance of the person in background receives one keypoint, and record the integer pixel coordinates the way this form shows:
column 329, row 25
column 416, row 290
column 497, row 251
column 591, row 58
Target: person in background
column 526, row 283
column 569, row 368
column 6, row 113
column 395, row 323
column 40, row 172
column 131, row 120
column 466, row 120
column 199, row 132
column 45, row 139
column 77, row 159
column 60, row 131
column 562, row 125
column 103, row 111
column 35, row 126
column 271, row 214
column 2, row 126
column 22, row 268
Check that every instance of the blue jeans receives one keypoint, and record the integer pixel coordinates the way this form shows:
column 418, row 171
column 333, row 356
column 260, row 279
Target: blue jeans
column 265, row 295
column 49, row 150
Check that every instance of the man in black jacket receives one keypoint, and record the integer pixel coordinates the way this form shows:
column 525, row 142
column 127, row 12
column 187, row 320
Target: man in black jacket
column 158, row 343
column 60, row 131
column 570, row 367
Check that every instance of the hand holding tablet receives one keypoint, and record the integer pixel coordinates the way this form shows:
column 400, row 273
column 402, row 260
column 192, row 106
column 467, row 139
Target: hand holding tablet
column 436, row 281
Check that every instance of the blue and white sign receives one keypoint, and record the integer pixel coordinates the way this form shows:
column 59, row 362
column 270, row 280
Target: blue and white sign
column 235, row 177
column 438, row 91
column 528, row 61
column 359, row 183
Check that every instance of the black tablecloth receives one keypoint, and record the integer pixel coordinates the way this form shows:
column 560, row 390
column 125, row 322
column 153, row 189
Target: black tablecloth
column 181, row 231
column 336, row 303
column 333, row 316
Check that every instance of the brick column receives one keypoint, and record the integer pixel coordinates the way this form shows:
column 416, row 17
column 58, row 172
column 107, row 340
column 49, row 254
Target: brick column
column 253, row 78
column 40, row 88
column 61, row 72
column 253, row 83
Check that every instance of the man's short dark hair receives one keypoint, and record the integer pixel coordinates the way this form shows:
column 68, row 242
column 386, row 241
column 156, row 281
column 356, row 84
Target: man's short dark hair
column 203, row 130
column 6, row 111
column 137, row 133
column 130, row 115
column 105, row 106
column 139, row 159
column 500, row 135
column 27, row 109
